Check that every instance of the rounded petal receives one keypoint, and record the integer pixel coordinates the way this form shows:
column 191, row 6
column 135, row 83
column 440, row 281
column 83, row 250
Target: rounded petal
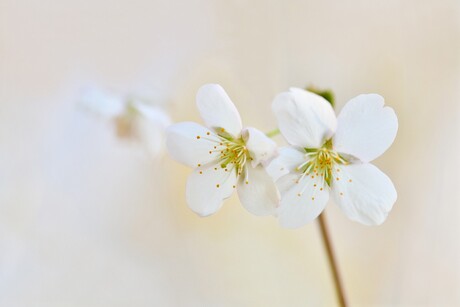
column 207, row 187
column 102, row 103
column 287, row 160
column 190, row 143
column 217, row 110
column 153, row 113
column 364, row 193
column 305, row 119
column 150, row 127
column 260, row 146
column 366, row 128
column 151, row 135
column 258, row 194
column 301, row 202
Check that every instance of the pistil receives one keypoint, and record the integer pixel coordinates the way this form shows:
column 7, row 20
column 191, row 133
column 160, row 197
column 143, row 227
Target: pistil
column 321, row 162
column 231, row 153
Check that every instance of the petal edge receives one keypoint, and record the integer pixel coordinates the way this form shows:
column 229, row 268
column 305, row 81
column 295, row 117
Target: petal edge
column 364, row 193
column 217, row 109
column 305, row 119
column 366, row 127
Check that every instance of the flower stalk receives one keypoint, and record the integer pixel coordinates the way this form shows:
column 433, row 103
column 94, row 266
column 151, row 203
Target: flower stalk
column 340, row 292
column 339, row 289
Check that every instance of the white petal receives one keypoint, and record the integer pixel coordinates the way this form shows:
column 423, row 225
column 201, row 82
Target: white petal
column 294, row 210
column 261, row 147
column 190, row 143
column 364, row 193
column 258, row 194
column 102, row 103
column 153, row 113
column 287, row 160
column 207, row 187
column 304, row 118
column 150, row 125
column 217, row 110
column 366, row 128
column 150, row 134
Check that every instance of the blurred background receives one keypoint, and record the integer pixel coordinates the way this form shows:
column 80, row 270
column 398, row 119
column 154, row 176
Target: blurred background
column 89, row 220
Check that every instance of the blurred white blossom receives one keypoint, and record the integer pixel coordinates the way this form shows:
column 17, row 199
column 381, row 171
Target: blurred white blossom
column 330, row 154
column 134, row 117
column 225, row 157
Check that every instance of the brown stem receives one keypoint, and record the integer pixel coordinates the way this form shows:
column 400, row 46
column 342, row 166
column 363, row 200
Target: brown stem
column 332, row 261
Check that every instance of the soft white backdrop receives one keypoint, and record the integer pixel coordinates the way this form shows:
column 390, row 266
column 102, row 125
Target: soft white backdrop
column 87, row 220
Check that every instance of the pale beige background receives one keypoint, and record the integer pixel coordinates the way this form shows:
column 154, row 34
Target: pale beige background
column 88, row 221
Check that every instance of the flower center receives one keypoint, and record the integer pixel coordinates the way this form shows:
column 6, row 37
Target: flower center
column 322, row 162
column 233, row 152
column 228, row 152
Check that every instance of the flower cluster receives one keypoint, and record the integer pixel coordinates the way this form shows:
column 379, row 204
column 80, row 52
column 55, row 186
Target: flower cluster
column 327, row 155
column 330, row 155
column 134, row 117
column 225, row 156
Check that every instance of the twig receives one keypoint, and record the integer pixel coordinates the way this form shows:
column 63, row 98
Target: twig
column 332, row 261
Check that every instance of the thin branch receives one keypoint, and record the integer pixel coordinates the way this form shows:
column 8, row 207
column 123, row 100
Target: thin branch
column 332, row 261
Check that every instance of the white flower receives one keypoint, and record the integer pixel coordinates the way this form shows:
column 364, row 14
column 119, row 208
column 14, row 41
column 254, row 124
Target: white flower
column 331, row 155
column 225, row 157
column 134, row 117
